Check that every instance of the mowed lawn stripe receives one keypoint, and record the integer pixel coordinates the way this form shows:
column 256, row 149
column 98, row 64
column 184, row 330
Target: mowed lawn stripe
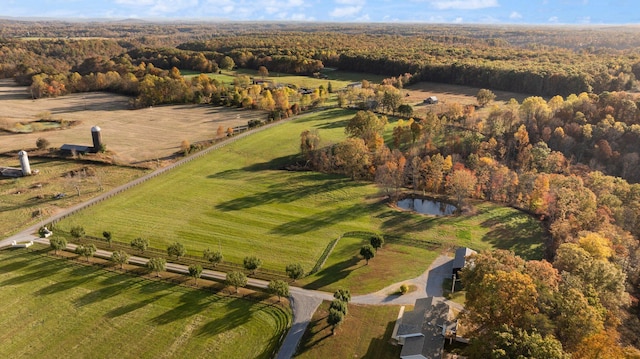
column 71, row 310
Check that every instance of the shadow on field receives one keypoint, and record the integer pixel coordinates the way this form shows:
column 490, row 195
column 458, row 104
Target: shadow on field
column 334, row 273
column 40, row 270
column 320, row 220
column 192, row 302
column 236, row 313
column 121, row 284
column 401, row 222
column 126, row 309
column 514, row 231
column 304, row 185
column 69, row 284
column 380, row 346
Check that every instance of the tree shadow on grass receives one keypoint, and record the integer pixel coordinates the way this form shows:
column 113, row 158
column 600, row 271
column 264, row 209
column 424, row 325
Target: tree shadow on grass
column 192, row 303
column 126, row 309
column 381, row 347
column 67, row 284
column 304, row 184
column 402, row 223
column 43, row 269
column 108, row 291
column 236, row 313
column 334, row 273
column 320, row 220
column 512, row 231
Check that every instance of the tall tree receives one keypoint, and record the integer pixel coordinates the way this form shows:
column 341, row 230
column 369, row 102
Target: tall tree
column 367, row 252
column 57, row 243
column 214, row 257
column 236, row 279
column 461, row 183
column 227, row 63
column 107, row 237
column 279, row 288
column 86, row 251
column 176, row 249
column 77, row 232
column 376, row 241
column 352, row 155
column 157, row 264
column 252, row 263
column 141, row 244
column 294, row 271
column 343, row 295
column 120, row 258
column 334, row 319
column 195, row 271
column 484, row 97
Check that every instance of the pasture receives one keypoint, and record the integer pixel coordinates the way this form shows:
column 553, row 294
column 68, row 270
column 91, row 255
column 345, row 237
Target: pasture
column 28, row 200
column 240, row 200
column 132, row 136
column 56, row 308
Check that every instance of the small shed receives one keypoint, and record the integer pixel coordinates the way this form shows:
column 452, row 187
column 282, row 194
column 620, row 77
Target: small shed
column 69, row 149
column 431, row 100
column 460, row 259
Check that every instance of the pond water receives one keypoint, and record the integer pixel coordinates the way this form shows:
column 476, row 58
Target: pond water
column 427, row 206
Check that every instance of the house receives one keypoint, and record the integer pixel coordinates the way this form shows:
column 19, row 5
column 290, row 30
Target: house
column 422, row 331
column 354, row 85
column 431, row 100
column 460, row 259
column 78, row 149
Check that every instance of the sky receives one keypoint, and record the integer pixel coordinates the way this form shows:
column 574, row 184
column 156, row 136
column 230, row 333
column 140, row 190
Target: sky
column 422, row 11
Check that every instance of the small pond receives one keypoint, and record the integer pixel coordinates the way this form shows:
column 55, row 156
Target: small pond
column 427, row 206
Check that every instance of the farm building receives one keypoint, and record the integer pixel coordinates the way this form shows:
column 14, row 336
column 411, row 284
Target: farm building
column 460, row 259
column 96, row 137
column 422, row 331
column 24, row 170
column 431, row 100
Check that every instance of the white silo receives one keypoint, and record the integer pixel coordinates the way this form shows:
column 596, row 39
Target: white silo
column 24, row 163
column 97, row 138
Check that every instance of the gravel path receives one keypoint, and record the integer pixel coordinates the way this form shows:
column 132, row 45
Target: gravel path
column 429, row 284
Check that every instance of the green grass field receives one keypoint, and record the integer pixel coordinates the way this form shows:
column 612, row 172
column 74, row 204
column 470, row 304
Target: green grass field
column 365, row 333
column 54, row 308
column 338, row 79
column 238, row 198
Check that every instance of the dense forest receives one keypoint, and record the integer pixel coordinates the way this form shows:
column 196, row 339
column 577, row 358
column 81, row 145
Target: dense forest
column 569, row 154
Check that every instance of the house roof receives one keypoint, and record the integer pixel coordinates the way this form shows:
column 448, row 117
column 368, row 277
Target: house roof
column 460, row 259
column 433, row 314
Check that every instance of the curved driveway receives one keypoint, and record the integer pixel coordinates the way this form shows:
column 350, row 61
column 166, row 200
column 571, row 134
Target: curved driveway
column 304, row 302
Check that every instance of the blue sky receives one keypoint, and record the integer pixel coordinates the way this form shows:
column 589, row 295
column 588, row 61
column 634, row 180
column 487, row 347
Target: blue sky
column 427, row 11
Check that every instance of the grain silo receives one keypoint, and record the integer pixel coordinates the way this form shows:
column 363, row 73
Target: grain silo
column 97, row 138
column 24, row 163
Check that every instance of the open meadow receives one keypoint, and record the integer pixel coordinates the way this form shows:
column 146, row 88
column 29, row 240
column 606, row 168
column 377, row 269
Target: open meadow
column 131, row 135
column 54, row 308
column 239, row 199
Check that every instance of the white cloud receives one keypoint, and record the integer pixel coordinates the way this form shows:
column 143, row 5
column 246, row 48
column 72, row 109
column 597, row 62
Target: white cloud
column 458, row 20
column 515, row 15
column 553, row 19
column 345, row 11
column 585, row 20
column 301, row 17
column 464, row 4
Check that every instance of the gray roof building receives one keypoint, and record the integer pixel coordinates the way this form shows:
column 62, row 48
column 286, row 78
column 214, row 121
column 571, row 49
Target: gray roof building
column 422, row 331
column 460, row 259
